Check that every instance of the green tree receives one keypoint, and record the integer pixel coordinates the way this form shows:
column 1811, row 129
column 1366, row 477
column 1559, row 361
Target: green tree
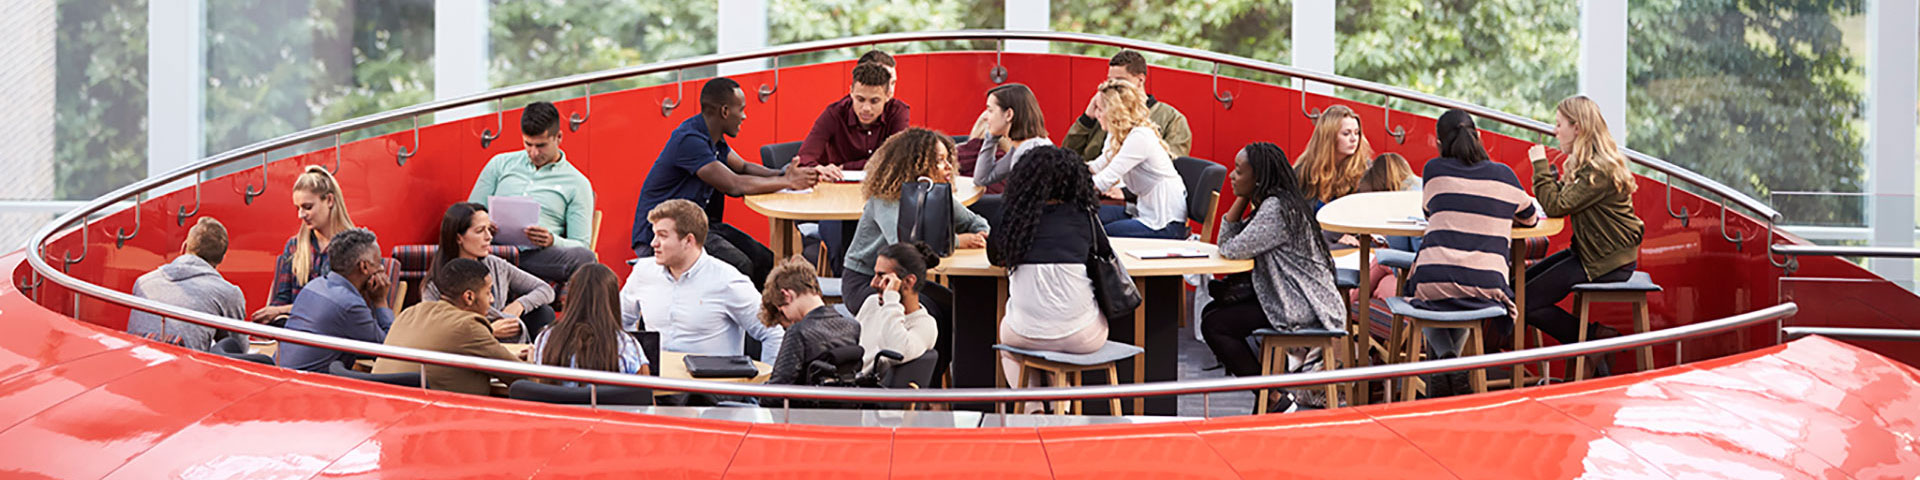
column 100, row 124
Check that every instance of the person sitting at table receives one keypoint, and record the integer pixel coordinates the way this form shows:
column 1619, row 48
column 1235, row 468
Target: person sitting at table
column 1047, row 233
column 465, row 232
column 884, row 59
column 350, row 302
column 791, row 301
column 542, row 173
column 895, row 319
column 1088, row 135
column 456, row 323
column 696, row 161
column 1389, row 172
column 1139, row 156
column 1335, row 157
column 845, row 136
column 1472, row 205
column 322, row 210
column 588, row 336
column 1013, row 114
column 907, row 157
column 1291, row 285
column 190, row 281
column 699, row 304
column 1595, row 193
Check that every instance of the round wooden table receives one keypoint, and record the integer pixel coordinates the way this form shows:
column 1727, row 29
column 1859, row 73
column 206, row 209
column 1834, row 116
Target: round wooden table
column 1154, row 324
column 826, row 201
column 1389, row 214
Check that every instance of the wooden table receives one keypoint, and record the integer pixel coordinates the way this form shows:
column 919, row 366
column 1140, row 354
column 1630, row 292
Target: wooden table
column 826, row 201
column 1382, row 213
column 1153, row 326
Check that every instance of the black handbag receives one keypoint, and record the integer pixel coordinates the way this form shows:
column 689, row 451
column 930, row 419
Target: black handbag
column 1234, row 289
column 926, row 215
column 1113, row 289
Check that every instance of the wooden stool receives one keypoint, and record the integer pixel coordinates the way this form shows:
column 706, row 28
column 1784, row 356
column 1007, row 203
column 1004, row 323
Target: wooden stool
column 1357, row 352
column 1633, row 291
column 1273, row 356
column 1416, row 319
column 1067, row 367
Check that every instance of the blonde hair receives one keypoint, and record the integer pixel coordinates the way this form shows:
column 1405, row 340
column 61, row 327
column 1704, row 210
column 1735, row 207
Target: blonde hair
column 905, row 157
column 1324, row 175
column 1593, row 145
column 1126, row 109
column 316, row 180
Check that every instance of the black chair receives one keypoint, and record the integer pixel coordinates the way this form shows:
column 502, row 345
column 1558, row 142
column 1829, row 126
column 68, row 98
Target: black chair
column 917, row 373
column 235, row 342
column 408, row 379
column 776, row 156
column 1203, row 179
column 650, row 346
column 834, row 368
column 533, row 391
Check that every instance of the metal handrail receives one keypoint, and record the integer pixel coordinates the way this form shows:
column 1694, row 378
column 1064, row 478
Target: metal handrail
column 1854, row 333
column 1845, row 251
column 39, row 264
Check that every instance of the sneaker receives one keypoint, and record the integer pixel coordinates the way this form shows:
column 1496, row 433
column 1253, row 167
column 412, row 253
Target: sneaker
column 1279, row 401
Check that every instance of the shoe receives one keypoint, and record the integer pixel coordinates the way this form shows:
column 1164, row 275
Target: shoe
column 1603, row 362
column 1279, row 401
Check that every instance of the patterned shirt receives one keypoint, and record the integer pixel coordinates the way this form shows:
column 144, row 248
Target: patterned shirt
column 285, row 286
column 1471, row 211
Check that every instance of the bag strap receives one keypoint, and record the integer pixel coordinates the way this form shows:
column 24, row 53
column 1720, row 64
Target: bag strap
column 920, row 215
column 1101, row 247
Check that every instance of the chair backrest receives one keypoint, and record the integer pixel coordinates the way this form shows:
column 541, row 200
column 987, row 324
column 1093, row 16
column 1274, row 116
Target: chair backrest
column 834, row 367
column 1203, row 178
column 593, row 238
column 777, row 155
column 650, row 346
column 407, row 379
column 416, row 259
column 579, row 395
column 916, row 372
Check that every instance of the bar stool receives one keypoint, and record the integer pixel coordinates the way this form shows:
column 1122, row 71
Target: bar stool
column 1067, row 367
column 1417, row 318
column 1633, row 291
column 1273, row 356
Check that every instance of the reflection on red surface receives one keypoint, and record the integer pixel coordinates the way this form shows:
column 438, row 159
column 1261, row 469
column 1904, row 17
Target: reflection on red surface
column 78, row 399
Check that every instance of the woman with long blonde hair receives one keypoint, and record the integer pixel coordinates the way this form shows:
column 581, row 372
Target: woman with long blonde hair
column 1335, row 158
column 323, row 213
column 1136, row 154
column 1595, row 192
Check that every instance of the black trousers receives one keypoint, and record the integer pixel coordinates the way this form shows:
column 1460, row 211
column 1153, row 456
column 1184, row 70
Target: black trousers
column 1552, row 280
column 1226, row 328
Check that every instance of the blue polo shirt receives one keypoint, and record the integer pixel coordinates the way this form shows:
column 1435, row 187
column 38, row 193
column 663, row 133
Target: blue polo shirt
column 674, row 174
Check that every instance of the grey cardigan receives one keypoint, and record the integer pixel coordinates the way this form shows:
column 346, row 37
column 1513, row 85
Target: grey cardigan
column 879, row 227
column 992, row 168
column 1292, row 278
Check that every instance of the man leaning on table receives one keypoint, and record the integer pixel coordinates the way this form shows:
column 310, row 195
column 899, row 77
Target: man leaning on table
column 699, row 304
column 457, row 324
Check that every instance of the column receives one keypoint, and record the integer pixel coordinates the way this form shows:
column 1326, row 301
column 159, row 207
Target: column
column 1891, row 84
column 27, row 31
column 462, row 47
column 1313, row 25
column 1035, row 15
column 1603, row 60
column 176, row 85
column 743, row 27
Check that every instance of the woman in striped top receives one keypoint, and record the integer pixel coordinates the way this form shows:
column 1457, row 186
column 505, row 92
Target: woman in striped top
column 1472, row 205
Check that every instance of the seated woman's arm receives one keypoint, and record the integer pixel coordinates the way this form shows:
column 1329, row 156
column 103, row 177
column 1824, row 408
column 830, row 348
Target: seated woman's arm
column 910, row 335
column 1133, row 150
column 1269, row 229
column 539, row 293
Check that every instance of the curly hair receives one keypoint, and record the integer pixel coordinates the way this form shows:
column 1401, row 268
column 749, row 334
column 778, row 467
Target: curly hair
column 1046, row 175
column 905, row 157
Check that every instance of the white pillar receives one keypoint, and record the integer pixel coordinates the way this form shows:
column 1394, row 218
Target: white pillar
column 1313, row 35
column 461, row 47
column 27, row 31
column 743, row 27
column 1028, row 15
column 1603, row 60
column 1892, row 79
column 176, row 84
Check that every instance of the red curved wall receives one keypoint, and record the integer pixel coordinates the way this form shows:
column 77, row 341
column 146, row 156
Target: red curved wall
column 1705, row 276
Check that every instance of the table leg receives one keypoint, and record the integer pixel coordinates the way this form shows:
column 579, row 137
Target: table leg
column 1519, row 258
column 975, row 329
column 1363, row 315
column 1140, row 340
column 777, row 238
column 1154, row 327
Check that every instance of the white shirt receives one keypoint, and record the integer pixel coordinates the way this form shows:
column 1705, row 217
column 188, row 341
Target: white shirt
column 886, row 325
column 1148, row 170
column 704, row 312
column 1050, row 300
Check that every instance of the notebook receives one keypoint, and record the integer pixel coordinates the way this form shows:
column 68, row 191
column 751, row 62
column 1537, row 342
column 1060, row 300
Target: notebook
column 720, row 366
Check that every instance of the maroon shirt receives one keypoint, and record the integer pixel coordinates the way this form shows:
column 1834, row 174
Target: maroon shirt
column 838, row 138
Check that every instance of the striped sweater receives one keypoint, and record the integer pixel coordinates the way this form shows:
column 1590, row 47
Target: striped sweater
column 1471, row 211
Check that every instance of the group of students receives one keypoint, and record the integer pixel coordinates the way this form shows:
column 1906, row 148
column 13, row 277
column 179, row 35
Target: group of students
column 706, row 286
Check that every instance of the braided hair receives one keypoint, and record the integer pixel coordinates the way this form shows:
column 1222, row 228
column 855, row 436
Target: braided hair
column 1046, row 175
column 1273, row 178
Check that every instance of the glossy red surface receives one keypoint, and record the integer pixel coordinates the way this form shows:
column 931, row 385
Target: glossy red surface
column 78, row 399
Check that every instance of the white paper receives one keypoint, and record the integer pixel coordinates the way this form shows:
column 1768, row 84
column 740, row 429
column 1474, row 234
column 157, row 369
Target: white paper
column 1349, row 262
column 1174, row 252
column 512, row 215
column 802, row 191
column 852, row 176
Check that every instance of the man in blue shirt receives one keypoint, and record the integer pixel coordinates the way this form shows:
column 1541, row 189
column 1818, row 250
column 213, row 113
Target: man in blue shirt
column 542, row 173
column 349, row 302
column 696, row 162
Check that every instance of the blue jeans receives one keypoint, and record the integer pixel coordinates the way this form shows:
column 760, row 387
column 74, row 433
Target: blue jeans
column 1118, row 224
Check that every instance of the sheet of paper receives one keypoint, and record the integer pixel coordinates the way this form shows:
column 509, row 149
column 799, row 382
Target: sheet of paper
column 1349, row 262
column 1175, row 252
column 852, row 176
column 512, row 215
column 802, row 191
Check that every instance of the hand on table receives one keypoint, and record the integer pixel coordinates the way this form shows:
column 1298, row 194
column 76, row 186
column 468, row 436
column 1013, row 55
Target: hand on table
column 802, row 178
column 971, row 240
column 830, row 173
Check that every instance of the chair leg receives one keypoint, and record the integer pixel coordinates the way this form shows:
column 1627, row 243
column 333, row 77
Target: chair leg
column 1328, row 354
column 1580, row 362
column 1643, row 323
column 1076, row 378
column 1113, row 378
column 1415, row 340
column 1546, row 367
column 1266, row 368
column 1474, row 347
column 1021, row 384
